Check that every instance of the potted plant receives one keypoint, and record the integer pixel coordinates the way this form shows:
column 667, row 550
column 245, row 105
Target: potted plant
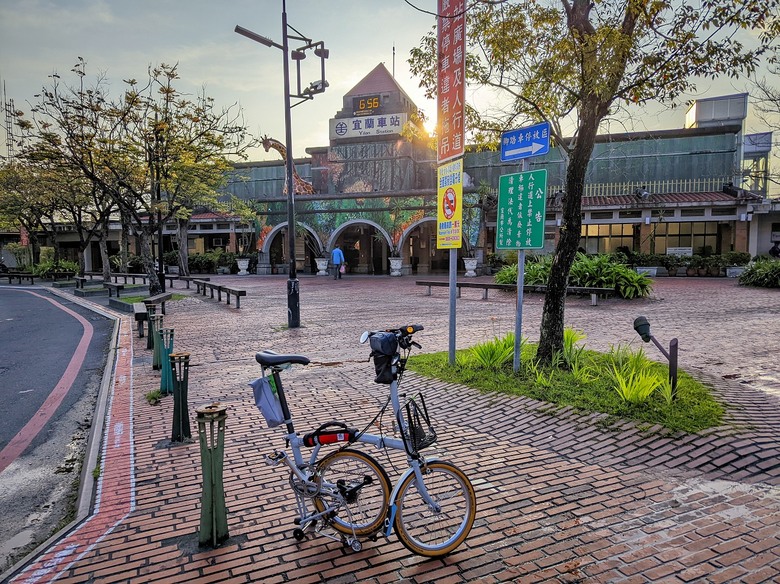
column 672, row 263
column 646, row 263
column 714, row 265
column 735, row 262
column 171, row 261
column 694, row 263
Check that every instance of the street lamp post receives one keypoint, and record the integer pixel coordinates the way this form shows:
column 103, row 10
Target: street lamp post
column 293, row 288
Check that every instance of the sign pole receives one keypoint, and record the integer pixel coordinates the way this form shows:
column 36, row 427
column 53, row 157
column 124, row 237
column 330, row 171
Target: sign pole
column 453, row 295
column 519, row 312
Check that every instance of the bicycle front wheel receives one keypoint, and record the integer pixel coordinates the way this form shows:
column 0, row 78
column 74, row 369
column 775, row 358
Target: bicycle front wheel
column 435, row 529
column 356, row 485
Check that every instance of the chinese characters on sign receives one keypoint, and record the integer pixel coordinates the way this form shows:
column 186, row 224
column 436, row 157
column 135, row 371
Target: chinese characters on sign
column 450, row 205
column 451, row 79
column 525, row 142
column 378, row 125
column 521, row 210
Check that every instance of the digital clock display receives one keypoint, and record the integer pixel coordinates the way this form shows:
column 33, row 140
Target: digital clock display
column 366, row 105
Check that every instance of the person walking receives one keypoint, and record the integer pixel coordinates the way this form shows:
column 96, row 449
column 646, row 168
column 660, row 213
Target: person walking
column 337, row 259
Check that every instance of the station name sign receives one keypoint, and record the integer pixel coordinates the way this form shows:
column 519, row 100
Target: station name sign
column 367, row 126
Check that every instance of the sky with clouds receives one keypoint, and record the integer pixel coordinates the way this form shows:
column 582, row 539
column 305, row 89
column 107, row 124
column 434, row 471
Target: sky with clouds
column 121, row 38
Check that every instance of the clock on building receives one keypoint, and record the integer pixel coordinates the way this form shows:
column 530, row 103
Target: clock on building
column 366, row 105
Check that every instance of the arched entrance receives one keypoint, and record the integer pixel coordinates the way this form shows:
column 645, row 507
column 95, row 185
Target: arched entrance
column 275, row 249
column 366, row 247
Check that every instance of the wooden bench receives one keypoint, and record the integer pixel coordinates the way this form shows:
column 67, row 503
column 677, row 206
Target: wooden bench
column 133, row 277
column 171, row 279
column 237, row 292
column 188, row 279
column 160, row 299
column 141, row 315
column 203, row 285
column 594, row 292
column 92, row 275
column 81, row 281
column 60, row 274
column 19, row 277
column 113, row 287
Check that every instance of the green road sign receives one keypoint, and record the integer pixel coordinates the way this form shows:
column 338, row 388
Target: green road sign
column 521, row 207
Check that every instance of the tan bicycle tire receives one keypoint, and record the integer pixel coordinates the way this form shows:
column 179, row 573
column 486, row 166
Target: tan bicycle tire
column 435, row 474
column 372, row 507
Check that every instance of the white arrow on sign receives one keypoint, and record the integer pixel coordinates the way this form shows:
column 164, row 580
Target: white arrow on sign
column 533, row 149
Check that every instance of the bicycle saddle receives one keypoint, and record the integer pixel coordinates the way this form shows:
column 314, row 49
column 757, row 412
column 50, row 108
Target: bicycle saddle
column 269, row 359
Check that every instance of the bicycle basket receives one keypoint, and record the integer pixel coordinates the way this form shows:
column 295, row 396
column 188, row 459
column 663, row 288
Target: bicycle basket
column 416, row 428
column 267, row 402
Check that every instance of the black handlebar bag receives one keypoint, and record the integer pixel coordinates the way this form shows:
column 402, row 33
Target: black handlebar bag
column 384, row 350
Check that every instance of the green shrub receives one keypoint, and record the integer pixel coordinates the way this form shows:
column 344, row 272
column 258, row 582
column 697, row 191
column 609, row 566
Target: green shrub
column 736, row 258
column 494, row 354
column 171, row 258
column 600, row 271
column 763, row 273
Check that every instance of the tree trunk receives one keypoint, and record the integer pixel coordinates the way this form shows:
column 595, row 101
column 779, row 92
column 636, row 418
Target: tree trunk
column 124, row 247
column 104, row 255
column 551, row 333
column 182, row 231
column 144, row 241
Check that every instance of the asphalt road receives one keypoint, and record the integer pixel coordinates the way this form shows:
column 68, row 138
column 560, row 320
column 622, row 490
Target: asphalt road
column 52, row 357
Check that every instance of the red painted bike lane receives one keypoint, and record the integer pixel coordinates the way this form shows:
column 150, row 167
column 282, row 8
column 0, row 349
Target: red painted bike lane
column 115, row 497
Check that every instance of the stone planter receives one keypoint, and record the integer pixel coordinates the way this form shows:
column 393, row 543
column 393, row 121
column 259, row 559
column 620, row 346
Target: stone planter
column 650, row 271
column 322, row 266
column 734, row 271
column 395, row 266
column 243, row 264
column 173, row 270
column 471, row 267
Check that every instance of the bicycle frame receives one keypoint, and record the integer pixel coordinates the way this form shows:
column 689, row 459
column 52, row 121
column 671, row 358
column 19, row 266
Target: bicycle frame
column 298, row 465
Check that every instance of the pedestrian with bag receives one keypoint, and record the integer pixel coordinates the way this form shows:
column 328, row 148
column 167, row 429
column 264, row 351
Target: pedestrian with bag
column 337, row 259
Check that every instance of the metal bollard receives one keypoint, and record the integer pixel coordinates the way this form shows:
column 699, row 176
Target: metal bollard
column 213, row 513
column 180, row 371
column 156, row 323
column 151, row 310
column 166, row 348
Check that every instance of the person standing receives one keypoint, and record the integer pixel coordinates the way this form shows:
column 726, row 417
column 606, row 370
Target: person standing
column 337, row 259
column 775, row 250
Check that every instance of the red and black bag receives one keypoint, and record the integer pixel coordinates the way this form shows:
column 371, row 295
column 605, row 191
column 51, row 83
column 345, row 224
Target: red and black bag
column 330, row 433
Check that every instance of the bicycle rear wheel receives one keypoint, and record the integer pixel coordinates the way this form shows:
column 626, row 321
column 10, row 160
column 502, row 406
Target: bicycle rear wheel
column 358, row 486
column 435, row 530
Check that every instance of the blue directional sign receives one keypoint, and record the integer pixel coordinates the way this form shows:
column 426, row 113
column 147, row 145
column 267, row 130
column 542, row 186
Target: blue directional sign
column 525, row 142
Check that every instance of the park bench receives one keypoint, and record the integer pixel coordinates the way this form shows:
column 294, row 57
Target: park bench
column 594, row 292
column 19, row 276
column 92, row 275
column 160, row 299
column 188, row 279
column 141, row 315
column 170, row 279
column 60, row 274
column 203, row 285
column 81, row 281
column 237, row 292
column 113, row 287
column 133, row 277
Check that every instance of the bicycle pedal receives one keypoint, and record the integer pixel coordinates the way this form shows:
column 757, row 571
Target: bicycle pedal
column 275, row 458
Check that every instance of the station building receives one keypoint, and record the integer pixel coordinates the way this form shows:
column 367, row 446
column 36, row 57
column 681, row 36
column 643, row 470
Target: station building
column 701, row 188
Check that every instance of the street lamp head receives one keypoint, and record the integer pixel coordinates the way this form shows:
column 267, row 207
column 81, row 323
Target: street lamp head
column 316, row 87
column 642, row 327
column 322, row 52
column 256, row 37
column 297, row 55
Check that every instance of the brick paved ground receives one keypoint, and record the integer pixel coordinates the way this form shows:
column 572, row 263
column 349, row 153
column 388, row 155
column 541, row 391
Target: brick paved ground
column 560, row 498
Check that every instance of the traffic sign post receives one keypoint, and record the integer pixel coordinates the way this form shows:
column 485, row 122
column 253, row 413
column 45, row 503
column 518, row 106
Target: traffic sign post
column 521, row 210
column 525, row 142
column 520, row 225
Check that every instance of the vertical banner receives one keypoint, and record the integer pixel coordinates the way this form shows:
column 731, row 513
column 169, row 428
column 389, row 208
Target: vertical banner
column 449, row 218
column 451, row 79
